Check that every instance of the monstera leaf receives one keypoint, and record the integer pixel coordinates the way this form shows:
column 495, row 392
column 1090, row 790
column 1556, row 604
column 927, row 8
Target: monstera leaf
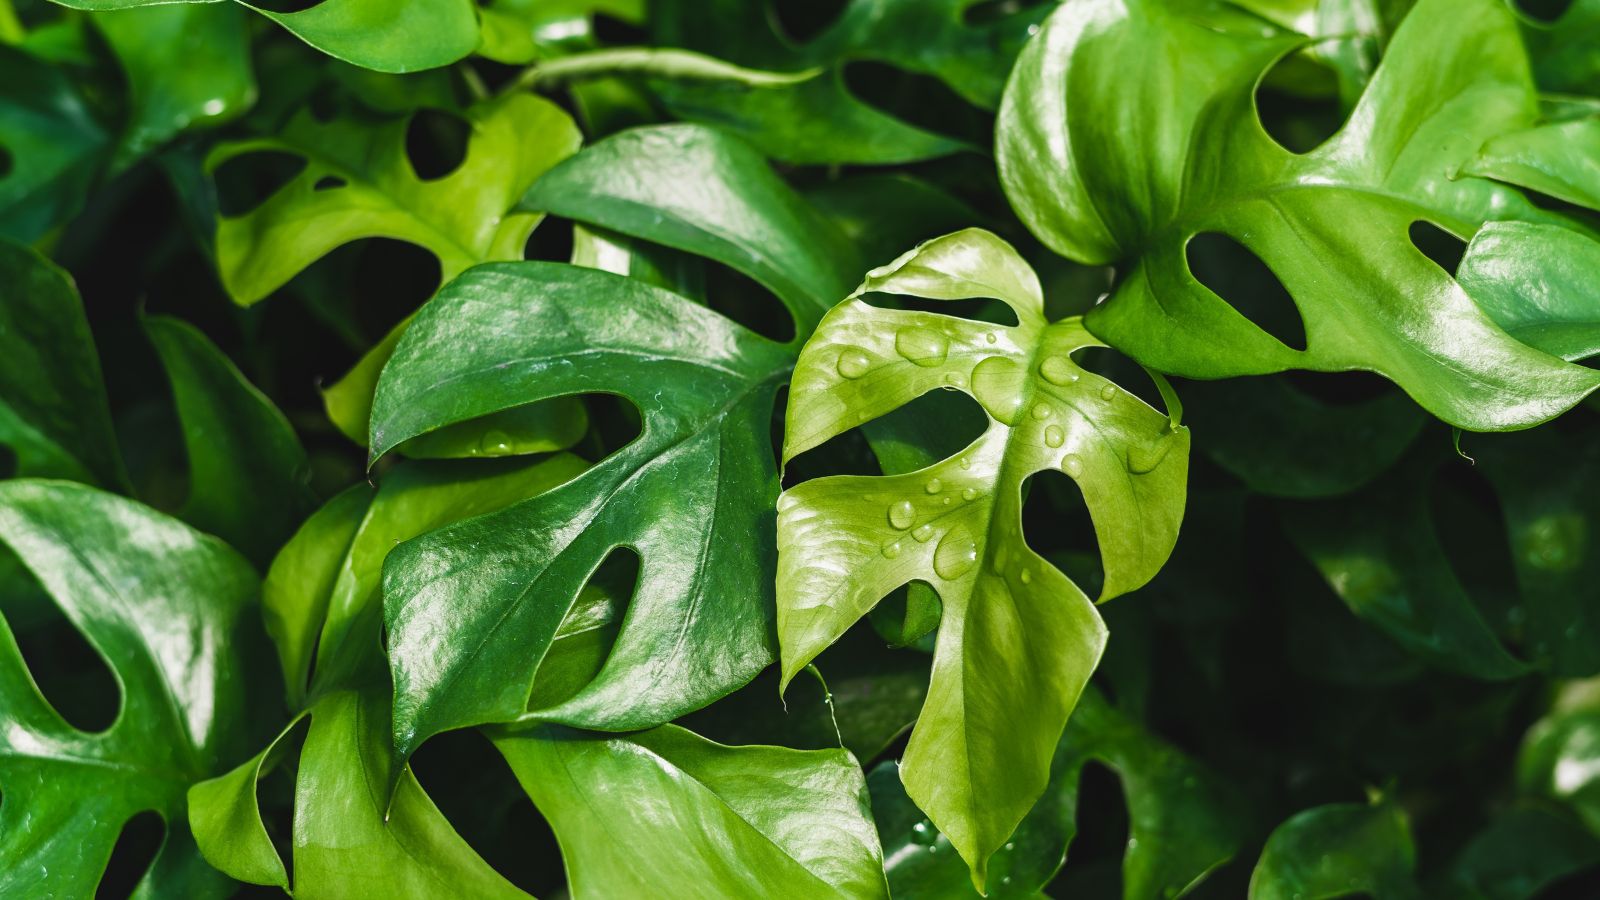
column 1338, row 850
column 662, row 807
column 374, row 34
column 164, row 606
column 821, row 121
column 52, row 147
column 1017, row 640
column 1183, row 820
column 1105, row 170
column 358, row 183
column 323, row 605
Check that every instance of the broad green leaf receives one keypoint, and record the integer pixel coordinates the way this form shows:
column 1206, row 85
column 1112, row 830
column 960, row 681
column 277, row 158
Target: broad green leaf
column 1560, row 755
column 53, row 411
column 374, row 34
column 215, row 82
column 1017, row 640
column 1338, row 850
column 1521, row 852
column 521, row 31
column 1547, row 304
column 740, row 213
column 1183, row 821
column 1561, row 159
column 358, row 183
column 1564, row 52
column 350, row 839
column 667, row 810
column 164, row 606
column 471, row 609
column 249, row 481
column 822, row 121
column 1103, row 169
column 52, row 147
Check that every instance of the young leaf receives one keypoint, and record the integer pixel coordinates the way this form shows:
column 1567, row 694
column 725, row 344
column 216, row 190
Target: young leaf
column 53, row 411
column 249, row 481
column 1017, row 640
column 358, row 183
column 471, row 608
column 1106, row 168
column 374, row 34
column 1337, row 850
column 666, row 809
column 163, row 605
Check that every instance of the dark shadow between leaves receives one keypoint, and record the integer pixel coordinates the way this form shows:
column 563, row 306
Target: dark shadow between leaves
column 71, row 675
column 6, row 162
column 1470, row 524
column 802, row 21
column 137, row 846
column 920, row 100
column 1057, row 525
column 1242, row 280
column 1124, row 372
column 1094, row 858
column 1437, row 244
column 614, row 423
column 246, row 181
column 1297, row 101
column 1548, row 11
column 989, row 11
column 436, row 143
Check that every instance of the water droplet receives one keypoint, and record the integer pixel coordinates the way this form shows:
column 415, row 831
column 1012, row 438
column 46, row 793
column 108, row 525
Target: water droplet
column 923, row 833
column 956, row 554
column 1144, row 458
column 901, row 514
column 997, row 385
column 1058, row 370
column 853, row 363
column 955, row 379
column 1026, row 576
column 891, row 549
column 494, row 443
column 947, row 501
column 923, row 346
column 1041, row 411
column 1011, row 845
column 990, row 337
column 1107, row 392
column 1072, row 465
column 965, row 463
column 934, row 486
column 969, row 494
column 923, row 532
column 933, row 848
column 1054, row 436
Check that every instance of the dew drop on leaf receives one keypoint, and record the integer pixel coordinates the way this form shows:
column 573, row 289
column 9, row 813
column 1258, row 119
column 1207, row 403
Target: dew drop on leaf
column 969, row 494
column 901, row 514
column 956, row 554
column 934, row 486
column 1107, row 392
column 997, row 385
column 853, row 363
column 1041, row 411
column 891, row 549
column 923, row 532
column 922, row 346
column 1054, row 436
column 494, row 443
column 1072, row 465
column 1058, row 370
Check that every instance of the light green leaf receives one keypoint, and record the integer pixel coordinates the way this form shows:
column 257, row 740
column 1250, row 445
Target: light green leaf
column 1560, row 755
column 1107, row 169
column 374, row 34
column 1338, row 850
column 471, row 608
column 163, row 605
column 520, row 31
column 640, row 812
column 1561, row 159
column 1017, row 640
column 249, row 481
column 369, row 189
column 215, row 82
column 1546, row 301
column 53, row 411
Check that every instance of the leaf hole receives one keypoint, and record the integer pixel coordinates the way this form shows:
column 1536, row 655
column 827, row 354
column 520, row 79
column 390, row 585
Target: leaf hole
column 909, row 614
column 976, row 309
column 1242, row 280
column 1437, row 244
column 802, row 21
column 1548, row 11
column 1352, row 388
column 250, row 179
column 475, row 790
column 1298, row 103
column 929, row 428
column 7, row 162
column 436, row 143
column 588, row 631
column 328, row 183
column 987, row 12
column 1057, row 525
column 387, row 280
column 285, row 6
column 73, row 677
column 1094, row 859
column 614, row 423
column 1123, row 372
column 613, row 31
column 551, row 241
column 136, row 848
column 746, row 301
column 8, row 462
column 920, row 100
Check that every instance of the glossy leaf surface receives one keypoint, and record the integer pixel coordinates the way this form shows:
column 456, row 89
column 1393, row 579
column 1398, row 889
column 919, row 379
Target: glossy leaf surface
column 1013, row 626
column 1333, row 851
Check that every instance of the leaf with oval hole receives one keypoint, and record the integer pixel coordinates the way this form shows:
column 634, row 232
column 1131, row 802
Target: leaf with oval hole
column 661, row 807
column 54, row 416
column 52, row 147
column 471, row 608
column 463, row 218
column 1338, row 850
column 1105, row 170
column 215, row 83
column 249, row 480
column 374, row 34
column 1014, row 630
column 165, row 606
column 1184, row 820
column 822, row 120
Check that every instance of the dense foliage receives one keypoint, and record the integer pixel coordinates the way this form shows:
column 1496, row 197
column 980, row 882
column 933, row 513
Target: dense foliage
column 771, row 448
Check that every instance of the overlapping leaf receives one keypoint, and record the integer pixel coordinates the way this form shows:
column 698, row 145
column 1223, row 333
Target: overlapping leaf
column 1337, row 850
column 1103, row 175
column 51, row 146
column 1014, row 631
column 165, row 606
